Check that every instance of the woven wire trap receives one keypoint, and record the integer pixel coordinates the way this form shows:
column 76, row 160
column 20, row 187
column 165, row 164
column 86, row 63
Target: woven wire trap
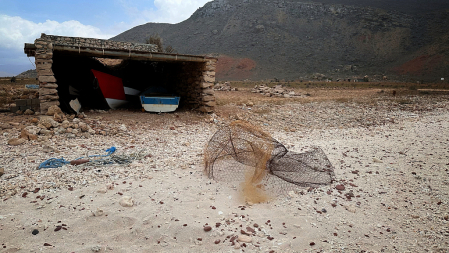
column 241, row 149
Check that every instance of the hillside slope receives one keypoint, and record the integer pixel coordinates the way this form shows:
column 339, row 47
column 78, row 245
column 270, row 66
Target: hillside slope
column 258, row 39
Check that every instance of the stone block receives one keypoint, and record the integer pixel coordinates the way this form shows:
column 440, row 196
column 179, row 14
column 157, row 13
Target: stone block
column 44, row 72
column 208, row 98
column 14, row 108
column 48, row 79
column 44, row 92
column 45, row 105
column 208, row 91
column 209, row 73
column 205, row 109
column 43, row 61
column 44, row 56
column 209, row 79
column 23, row 108
column 40, row 42
column 205, row 85
column 210, row 103
column 48, row 85
column 49, row 97
column 21, row 102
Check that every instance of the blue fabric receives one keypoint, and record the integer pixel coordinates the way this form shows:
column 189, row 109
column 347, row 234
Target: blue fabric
column 56, row 163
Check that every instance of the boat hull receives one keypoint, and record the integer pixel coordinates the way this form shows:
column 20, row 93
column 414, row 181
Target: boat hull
column 159, row 104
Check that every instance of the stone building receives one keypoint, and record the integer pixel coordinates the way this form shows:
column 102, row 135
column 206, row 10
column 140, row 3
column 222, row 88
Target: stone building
column 64, row 64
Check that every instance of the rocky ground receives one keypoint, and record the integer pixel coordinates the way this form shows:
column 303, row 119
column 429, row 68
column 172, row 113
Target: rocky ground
column 391, row 192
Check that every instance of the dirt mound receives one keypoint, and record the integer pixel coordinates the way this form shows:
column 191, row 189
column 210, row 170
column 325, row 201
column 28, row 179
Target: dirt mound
column 419, row 66
column 229, row 68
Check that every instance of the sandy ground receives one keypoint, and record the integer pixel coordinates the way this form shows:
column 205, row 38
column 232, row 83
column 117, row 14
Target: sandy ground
column 391, row 158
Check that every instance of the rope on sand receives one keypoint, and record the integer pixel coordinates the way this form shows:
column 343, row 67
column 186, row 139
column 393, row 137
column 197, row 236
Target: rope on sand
column 56, row 163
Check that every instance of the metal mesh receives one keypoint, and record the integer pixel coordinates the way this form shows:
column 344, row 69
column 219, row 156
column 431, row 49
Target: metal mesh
column 241, row 149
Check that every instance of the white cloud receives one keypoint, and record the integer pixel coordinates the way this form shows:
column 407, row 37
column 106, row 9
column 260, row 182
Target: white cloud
column 175, row 11
column 15, row 31
column 167, row 11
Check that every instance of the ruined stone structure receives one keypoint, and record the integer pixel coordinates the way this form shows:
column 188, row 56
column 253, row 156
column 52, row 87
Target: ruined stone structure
column 193, row 81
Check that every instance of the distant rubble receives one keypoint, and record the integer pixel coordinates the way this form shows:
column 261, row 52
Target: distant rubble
column 276, row 91
column 226, row 86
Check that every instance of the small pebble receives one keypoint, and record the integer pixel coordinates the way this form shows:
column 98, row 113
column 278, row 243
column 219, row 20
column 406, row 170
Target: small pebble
column 126, row 201
column 244, row 238
column 340, row 187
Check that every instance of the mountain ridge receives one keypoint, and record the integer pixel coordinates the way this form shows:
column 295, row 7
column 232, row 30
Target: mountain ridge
column 259, row 39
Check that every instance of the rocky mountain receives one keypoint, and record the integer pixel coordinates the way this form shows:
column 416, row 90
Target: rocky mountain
column 288, row 39
column 32, row 73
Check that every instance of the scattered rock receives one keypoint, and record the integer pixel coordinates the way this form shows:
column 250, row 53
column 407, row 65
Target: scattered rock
column 123, row 128
column 35, row 232
column 376, row 160
column 48, row 122
column 102, row 190
column 224, row 87
column 2, row 171
column 29, row 133
column 340, row 187
column 28, row 112
column 276, row 91
column 57, row 117
column 207, row 228
column 126, row 201
column 16, row 141
column 350, row 208
column 245, row 238
column 53, row 110
column 99, row 212
column 96, row 248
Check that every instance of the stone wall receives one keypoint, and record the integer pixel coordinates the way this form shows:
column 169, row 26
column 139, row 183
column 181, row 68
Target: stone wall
column 194, row 82
column 195, row 85
column 99, row 43
column 48, row 93
column 207, row 82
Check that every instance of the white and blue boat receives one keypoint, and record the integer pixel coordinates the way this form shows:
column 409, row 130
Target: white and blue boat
column 157, row 99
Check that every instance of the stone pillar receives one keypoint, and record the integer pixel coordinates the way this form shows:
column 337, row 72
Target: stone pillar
column 207, row 103
column 48, row 93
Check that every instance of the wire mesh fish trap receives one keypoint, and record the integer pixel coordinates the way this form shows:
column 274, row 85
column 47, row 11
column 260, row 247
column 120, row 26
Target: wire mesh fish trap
column 241, row 149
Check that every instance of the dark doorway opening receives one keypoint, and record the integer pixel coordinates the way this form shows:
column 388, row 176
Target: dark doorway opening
column 76, row 80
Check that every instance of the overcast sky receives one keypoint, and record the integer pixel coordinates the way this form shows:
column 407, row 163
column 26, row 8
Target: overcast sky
column 22, row 21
